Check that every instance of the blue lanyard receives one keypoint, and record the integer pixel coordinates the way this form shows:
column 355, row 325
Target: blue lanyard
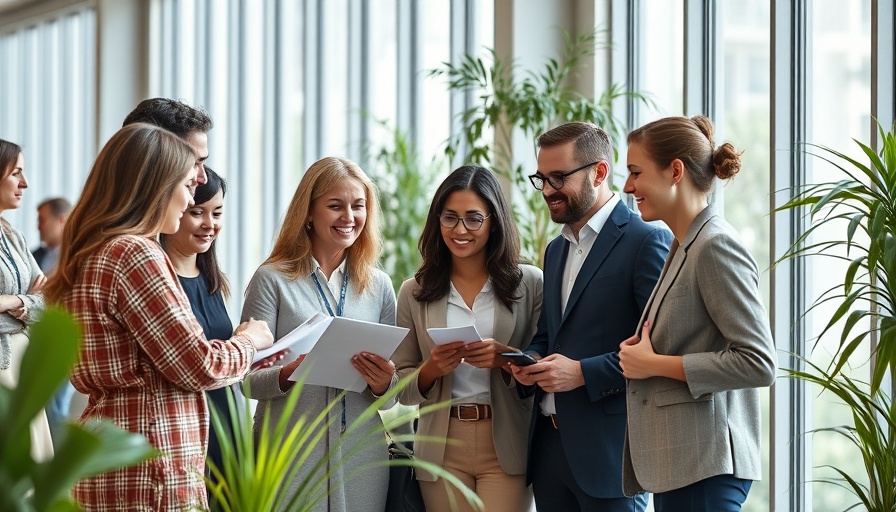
column 340, row 307
column 11, row 263
column 320, row 290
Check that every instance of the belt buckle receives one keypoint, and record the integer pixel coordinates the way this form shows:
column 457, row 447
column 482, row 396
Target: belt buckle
column 461, row 407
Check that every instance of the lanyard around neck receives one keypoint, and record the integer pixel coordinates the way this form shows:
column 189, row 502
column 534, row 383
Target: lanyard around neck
column 340, row 306
column 11, row 262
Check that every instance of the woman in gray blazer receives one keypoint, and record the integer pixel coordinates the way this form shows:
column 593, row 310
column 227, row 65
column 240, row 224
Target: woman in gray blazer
column 471, row 275
column 704, row 345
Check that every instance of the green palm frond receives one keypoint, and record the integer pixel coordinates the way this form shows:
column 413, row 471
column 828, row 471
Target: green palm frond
column 256, row 465
column 863, row 202
column 530, row 101
column 872, row 433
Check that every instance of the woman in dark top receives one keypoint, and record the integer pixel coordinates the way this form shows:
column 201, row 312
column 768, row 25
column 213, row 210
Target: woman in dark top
column 192, row 252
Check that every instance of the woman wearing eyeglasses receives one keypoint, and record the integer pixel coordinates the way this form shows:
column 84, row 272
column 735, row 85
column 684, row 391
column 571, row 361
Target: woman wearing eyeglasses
column 471, row 275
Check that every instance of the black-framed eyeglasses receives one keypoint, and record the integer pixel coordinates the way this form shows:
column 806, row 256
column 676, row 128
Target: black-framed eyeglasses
column 450, row 220
column 556, row 179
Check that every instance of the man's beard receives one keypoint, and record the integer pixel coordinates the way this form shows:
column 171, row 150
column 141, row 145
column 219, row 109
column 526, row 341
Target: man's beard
column 577, row 207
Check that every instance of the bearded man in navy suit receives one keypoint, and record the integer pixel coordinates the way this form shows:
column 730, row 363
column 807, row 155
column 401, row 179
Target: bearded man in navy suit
column 598, row 276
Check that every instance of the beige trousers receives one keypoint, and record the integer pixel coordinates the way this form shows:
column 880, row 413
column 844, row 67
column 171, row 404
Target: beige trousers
column 470, row 456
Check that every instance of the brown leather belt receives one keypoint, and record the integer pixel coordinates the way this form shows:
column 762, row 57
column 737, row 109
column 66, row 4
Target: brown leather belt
column 471, row 412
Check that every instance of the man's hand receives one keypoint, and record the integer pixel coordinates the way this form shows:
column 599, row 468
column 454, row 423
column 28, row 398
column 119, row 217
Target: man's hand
column 525, row 375
column 556, row 373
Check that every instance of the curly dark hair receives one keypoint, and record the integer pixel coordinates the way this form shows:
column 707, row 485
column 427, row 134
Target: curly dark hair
column 503, row 249
column 173, row 115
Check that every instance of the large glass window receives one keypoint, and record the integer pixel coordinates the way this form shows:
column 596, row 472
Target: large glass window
column 742, row 118
column 47, row 106
column 660, row 59
column 290, row 82
column 839, row 102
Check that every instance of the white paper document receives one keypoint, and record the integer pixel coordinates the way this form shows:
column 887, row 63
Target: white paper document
column 445, row 335
column 299, row 341
column 329, row 358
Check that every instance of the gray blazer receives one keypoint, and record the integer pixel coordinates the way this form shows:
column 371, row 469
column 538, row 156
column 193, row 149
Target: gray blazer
column 511, row 413
column 706, row 307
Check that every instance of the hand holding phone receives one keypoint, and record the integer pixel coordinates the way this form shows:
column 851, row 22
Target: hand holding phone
column 519, row 358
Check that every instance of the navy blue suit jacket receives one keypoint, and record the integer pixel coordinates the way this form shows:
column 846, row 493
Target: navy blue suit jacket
column 603, row 309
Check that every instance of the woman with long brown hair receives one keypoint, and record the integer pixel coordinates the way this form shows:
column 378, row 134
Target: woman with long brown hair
column 471, row 275
column 144, row 360
column 21, row 281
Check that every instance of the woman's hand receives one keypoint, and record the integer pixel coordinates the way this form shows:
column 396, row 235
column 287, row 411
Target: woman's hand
column 258, row 332
column 486, row 354
column 286, row 370
column 635, row 354
column 38, row 285
column 639, row 360
column 443, row 359
column 270, row 360
column 376, row 371
column 9, row 303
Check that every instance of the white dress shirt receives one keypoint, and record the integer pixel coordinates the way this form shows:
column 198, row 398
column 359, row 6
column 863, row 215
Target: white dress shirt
column 579, row 247
column 469, row 384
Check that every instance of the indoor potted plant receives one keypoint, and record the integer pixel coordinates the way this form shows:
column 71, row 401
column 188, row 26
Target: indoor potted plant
column 863, row 201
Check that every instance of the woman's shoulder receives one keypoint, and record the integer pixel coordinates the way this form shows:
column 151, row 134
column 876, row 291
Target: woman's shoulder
column 270, row 272
column 409, row 285
column 717, row 231
column 15, row 236
column 139, row 248
column 531, row 272
column 533, row 277
column 381, row 277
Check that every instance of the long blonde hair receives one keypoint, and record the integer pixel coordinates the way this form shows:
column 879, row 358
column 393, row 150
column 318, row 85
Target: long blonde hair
column 292, row 250
column 126, row 193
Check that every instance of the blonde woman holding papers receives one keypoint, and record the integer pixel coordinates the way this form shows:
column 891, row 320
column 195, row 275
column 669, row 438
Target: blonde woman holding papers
column 324, row 261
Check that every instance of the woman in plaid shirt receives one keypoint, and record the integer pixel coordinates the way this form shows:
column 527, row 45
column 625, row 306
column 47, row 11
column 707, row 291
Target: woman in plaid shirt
column 144, row 361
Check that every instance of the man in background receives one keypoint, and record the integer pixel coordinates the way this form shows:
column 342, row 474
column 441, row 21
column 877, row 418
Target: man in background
column 189, row 123
column 51, row 216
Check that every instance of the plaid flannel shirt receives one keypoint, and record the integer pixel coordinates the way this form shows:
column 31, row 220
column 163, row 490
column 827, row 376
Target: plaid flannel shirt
column 144, row 363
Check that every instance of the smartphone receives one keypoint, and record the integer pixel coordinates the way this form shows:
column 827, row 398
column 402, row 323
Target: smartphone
column 519, row 358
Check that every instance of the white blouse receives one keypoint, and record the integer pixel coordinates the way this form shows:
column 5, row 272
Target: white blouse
column 470, row 384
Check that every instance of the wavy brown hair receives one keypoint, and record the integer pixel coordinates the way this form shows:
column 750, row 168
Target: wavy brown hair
column 502, row 250
column 292, row 250
column 126, row 193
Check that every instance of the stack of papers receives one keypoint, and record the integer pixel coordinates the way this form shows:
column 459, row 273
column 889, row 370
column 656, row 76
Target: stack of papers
column 330, row 342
